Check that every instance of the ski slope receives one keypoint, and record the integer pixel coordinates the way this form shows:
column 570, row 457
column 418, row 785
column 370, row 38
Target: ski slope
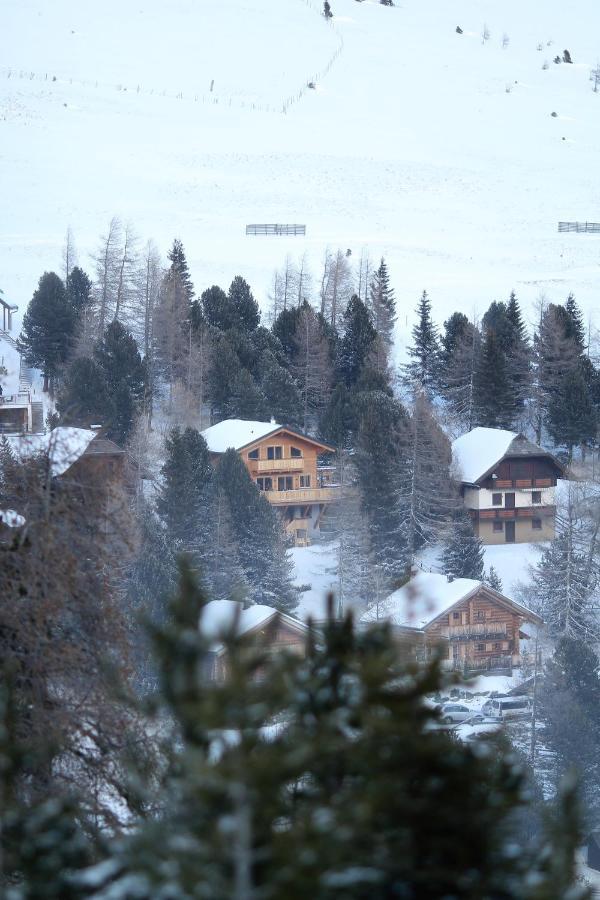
column 435, row 149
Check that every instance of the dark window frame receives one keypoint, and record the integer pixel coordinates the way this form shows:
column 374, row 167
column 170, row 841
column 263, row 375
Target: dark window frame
column 496, row 499
column 536, row 524
column 498, row 525
column 536, row 497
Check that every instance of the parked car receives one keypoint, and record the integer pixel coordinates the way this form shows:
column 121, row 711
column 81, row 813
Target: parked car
column 507, row 707
column 481, row 719
column 455, row 712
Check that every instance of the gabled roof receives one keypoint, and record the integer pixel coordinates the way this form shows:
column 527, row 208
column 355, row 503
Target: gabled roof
column 477, row 453
column 240, row 433
column 220, row 616
column 64, row 446
column 428, row 595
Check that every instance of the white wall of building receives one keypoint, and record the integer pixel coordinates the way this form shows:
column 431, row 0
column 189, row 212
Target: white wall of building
column 482, row 498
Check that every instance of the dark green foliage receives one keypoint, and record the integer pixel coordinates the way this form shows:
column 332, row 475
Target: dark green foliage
column 281, row 397
column 380, row 459
column 48, row 326
column 506, row 321
column 382, row 305
column 245, row 314
column 216, row 308
column 180, row 272
column 84, row 397
column 186, row 480
column 257, row 534
column 124, row 372
column 357, row 343
column 569, row 707
column 356, row 796
column 285, row 327
column 247, row 401
column 574, row 327
column 572, row 418
column 79, row 291
column 423, row 369
column 338, row 420
column 495, row 402
column 463, row 551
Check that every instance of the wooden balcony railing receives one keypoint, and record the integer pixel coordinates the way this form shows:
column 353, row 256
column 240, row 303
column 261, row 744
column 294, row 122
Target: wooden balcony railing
column 295, row 464
column 476, row 630
column 304, row 495
column 518, row 512
column 503, row 484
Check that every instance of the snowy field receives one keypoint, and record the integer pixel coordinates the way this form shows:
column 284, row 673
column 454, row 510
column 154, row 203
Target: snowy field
column 435, row 149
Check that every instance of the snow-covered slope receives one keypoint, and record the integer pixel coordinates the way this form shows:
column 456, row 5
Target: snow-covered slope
column 434, row 148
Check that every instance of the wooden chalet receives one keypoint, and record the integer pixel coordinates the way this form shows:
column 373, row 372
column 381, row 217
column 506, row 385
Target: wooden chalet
column 284, row 464
column 507, row 484
column 266, row 628
column 475, row 628
column 80, row 455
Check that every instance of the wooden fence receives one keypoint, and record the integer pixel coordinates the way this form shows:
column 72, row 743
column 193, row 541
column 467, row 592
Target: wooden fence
column 591, row 227
column 276, row 229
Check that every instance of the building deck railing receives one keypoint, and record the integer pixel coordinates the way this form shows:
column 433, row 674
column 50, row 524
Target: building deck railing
column 475, row 630
column 517, row 512
column 591, row 227
column 304, row 495
column 291, row 464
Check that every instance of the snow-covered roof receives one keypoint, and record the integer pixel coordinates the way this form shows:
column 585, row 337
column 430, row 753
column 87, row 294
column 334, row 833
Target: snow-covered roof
column 478, row 451
column 421, row 600
column 64, row 446
column 236, row 433
column 429, row 595
column 219, row 617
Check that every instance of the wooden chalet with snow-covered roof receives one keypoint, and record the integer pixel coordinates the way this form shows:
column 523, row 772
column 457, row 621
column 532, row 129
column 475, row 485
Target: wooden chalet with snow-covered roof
column 474, row 627
column 265, row 628
column 507, row 484
column 285, row 465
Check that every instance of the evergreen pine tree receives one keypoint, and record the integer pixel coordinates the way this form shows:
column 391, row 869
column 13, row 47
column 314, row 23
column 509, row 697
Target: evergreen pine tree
column 180, row 269
column 572, row 418
column 494, row 398
column 357, row 343
column 183, row 502
column 247, row 401
column 258, row 534
column 281, row 396
column 459, row 360
column 382, row 305
column 79, row 291
column 124, row 373
column 574, row 327
column 463, row 551
column 216, row 308
column 492, row 578
column 312, row 365
column 48, row 327
column 569, row 707
column 245, row 312
column 84, row 398
column 423, row 370
column 285, row 327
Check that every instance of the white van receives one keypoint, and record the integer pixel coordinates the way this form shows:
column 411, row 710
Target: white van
column 507, row 707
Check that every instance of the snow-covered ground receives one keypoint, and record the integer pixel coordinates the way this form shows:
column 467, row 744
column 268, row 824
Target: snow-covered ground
column 315, row 567
column 512, row 563
column 437, row 149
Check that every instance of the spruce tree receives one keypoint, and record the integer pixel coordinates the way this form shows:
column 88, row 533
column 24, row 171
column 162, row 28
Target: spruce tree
column 79, row 291
column 84, row 398
column 492, row 578
column 216, row 308
column 463, row 551
column 382, row 305
column 247, row 401
column 459, row 360
column 569, row 707
column 572, row 418
column 281, row 396
column 48, row 327
column 245, row 313
column 357, row 343
column 183, row 501
column 258, row 535
column 494, row 398
column 424, row 352
column 124, row 372
column 574, row 327
column 180, row 269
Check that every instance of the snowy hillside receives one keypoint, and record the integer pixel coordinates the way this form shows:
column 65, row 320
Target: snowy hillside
column 434, row 148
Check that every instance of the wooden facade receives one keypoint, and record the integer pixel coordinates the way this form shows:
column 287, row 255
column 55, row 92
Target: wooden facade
column 277, row 634
column 480, row 633
column 284, row 465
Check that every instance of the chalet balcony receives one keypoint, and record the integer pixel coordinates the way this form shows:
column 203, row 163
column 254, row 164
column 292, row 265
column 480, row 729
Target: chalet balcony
column 304, row 495
column 476, row 631
column 518, row 512
column 504, row 484
column 474, row 665
column 290, row 464
column 22, row 399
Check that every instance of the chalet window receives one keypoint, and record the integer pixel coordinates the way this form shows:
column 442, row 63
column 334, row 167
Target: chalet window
column 496, row 499
column 498, row 645
column 265, row 484
column 253, row 454
column 274, row 452
column 295, row 453
column 497, row 526
column 285, row 483
column 304, row 481
column 479, row 615
column 480, row 648
column 536, row 496
column 536, row 524
column 456, row 615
